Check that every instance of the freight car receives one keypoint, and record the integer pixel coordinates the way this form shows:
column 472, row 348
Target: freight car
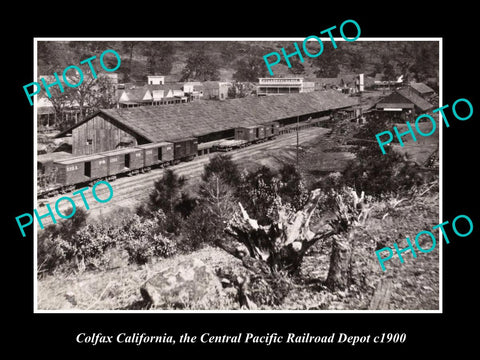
column 65, row 174
column 272, row 130
column 157, row 155
column 184, row 149
column 62, row 173
column 228, row 145
column 257, row 133
column 251, row 134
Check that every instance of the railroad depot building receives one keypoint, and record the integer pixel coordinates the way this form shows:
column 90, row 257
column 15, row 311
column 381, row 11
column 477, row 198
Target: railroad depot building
column 403, row 105
column 209, row 121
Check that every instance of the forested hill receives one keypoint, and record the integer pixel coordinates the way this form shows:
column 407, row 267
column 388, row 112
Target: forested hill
column 243, row 60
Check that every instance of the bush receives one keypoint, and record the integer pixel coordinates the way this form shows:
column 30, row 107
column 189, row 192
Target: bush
column 143, row 240
column 168, row 196
column 205, row 224
column 259, row 190
column 61, row 249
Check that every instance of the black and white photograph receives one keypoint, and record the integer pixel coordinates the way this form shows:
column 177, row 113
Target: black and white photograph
column 252, row 182
column 181, row 175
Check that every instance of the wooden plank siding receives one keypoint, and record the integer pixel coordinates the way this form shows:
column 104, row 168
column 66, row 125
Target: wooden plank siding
column 104, row 136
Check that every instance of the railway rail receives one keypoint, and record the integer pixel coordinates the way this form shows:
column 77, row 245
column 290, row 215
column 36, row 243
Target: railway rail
column 132, row 191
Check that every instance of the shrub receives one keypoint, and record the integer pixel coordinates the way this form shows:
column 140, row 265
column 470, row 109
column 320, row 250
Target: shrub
column 259, row 190
column 222, row 166
column 61, row 249
column 206, row 223
column 142, row 239
column 377, row 174
column 167, row 195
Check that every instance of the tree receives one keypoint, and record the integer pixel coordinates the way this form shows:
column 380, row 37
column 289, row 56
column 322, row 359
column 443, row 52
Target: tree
column 292, row 188
column 222, row 166
column 167, row 192
column 215, row 207
column 279, row 245
column 128, row 47
column 214, row 203
column 53, row 248
column 257, row 191
column 351, row 212
column 378, row 174
column 159, row 57
column 92, row 94
column 357, row 61
column 297, row 67
column 168, row 196
column 328, row 63
column 389, row 72
column 201, row 67
column 249, row 68
column 425, row 64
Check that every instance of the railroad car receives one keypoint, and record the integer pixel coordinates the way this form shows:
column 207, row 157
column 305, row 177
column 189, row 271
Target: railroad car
column 157, row 154
column 227, row 145
column 251, row 134
column 45, row 162
column 60, row 172
column 126, row 160
column 81, row 169
column 184, row 149
column 272, row 130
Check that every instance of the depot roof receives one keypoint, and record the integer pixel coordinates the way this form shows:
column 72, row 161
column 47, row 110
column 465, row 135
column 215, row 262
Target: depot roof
column 164, row 123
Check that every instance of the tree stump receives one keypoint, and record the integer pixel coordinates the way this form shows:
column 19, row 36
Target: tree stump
column 381, row 297
column 339, row 270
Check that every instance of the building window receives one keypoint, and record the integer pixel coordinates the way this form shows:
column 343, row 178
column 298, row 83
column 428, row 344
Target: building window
column 89, row 141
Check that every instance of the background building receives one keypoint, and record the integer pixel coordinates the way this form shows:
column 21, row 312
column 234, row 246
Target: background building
column 279, row 86
column 155, row 80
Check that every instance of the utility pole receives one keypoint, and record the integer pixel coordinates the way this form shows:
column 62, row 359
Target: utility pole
column 298, row 122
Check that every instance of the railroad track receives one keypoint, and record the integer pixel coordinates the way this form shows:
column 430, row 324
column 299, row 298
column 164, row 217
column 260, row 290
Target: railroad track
column 131, row 191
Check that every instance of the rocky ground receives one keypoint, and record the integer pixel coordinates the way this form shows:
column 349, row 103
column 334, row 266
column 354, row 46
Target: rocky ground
column 413, row 285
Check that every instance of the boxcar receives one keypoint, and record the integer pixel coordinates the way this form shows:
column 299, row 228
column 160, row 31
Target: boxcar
column 272, row 129
column 45, row 162
column 124, row 160
column 249, row 133
column 81, row 169
column 185, row 149
column 157, row 153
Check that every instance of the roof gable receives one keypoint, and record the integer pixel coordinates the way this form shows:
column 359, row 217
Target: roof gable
column 405, row 95
column 420, row 102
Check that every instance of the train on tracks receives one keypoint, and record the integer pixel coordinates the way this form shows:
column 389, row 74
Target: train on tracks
column 61, row 172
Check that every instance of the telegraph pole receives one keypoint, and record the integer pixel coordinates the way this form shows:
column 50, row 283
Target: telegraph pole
column 298, row 122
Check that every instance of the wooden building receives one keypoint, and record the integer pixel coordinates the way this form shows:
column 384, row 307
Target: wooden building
column 207, row 121
column 403, row 105
column 422, row 89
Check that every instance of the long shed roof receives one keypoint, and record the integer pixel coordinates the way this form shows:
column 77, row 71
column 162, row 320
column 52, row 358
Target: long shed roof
column 422, row 88
column 164, row 123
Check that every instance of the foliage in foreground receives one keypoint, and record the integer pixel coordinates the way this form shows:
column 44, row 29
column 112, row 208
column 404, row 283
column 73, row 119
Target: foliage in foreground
column 98, row 245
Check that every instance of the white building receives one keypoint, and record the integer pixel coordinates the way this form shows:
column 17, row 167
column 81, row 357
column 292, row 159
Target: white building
column 287, row 85
column 156, row 80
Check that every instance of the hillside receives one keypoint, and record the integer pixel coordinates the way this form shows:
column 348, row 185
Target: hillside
column 393, row 58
